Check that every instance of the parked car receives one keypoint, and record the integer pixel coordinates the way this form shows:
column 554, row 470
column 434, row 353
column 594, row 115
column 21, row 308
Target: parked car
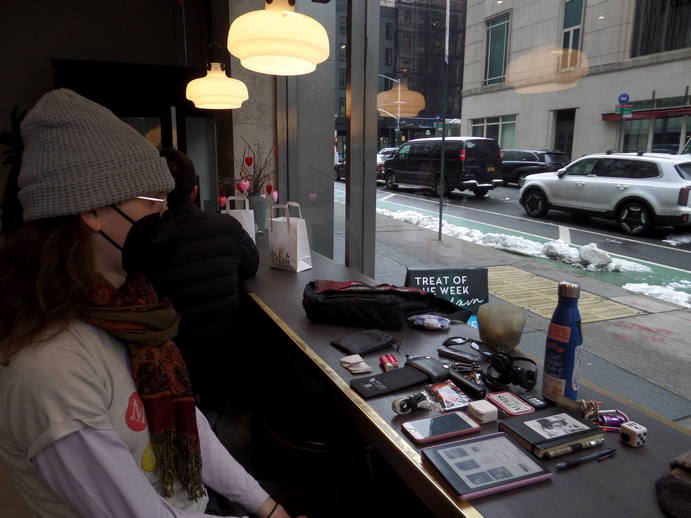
column 639, row 190
column 519, row 163
column 382, row 155
column 471, row 163
column 340, row 170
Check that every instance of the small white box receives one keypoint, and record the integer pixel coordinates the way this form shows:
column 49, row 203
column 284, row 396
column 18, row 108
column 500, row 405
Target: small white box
column 482, row 411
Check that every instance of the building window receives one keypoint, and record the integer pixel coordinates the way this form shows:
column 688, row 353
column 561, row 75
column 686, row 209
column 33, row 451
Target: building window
column 342, row 27
column 389, row 31
column 341, row 105
column 342, row 52
column 502, row 129
column 571, row 36
column 388, row 56
column 636, row 135
column 497, row 49
column 341, row 78
column 660, row 26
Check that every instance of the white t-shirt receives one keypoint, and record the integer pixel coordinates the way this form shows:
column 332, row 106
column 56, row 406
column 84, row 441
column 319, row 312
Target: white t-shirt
column 81, row 378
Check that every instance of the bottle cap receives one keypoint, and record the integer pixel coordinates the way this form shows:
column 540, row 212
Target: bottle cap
column 569, row 289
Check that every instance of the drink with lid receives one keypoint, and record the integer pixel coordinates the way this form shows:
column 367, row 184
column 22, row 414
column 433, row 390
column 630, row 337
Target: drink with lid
column 563, row 347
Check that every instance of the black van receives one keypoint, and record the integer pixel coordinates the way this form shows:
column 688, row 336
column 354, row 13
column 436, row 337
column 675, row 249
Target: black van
column 472, row 163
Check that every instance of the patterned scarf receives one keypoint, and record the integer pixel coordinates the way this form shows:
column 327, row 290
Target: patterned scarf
column 134, row 315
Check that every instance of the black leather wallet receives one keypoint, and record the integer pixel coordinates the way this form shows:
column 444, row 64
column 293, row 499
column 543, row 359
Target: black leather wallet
column 433, row 368
column 366, row 342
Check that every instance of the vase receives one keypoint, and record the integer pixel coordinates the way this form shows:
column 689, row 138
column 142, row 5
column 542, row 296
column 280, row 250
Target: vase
column 258, row 205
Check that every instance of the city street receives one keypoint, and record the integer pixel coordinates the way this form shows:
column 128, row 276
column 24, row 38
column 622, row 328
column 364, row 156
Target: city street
column 500, row 212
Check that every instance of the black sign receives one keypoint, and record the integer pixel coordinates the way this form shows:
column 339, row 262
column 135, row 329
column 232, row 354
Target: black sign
column 466, row 287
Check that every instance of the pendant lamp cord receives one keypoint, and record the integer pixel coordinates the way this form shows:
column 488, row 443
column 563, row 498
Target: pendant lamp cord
column 184, row 31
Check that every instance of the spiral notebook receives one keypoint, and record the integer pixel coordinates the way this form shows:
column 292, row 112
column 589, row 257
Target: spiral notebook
column 485, row 465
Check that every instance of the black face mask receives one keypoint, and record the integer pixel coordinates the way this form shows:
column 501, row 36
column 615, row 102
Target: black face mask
column 150, row 246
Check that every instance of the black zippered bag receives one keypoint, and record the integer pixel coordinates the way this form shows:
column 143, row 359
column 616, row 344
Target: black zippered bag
column 353, row 303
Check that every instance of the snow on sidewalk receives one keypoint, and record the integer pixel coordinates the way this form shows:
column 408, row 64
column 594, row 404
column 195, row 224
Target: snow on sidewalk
column 589, row 257
column 666, row 293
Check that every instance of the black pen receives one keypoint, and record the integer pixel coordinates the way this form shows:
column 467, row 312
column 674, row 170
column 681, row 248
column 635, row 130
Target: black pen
column 601, row 455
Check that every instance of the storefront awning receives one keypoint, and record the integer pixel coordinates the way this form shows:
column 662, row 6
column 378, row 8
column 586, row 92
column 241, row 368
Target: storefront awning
column 653, row 113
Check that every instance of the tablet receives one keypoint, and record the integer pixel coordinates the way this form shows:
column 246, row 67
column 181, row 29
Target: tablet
column 485, row 465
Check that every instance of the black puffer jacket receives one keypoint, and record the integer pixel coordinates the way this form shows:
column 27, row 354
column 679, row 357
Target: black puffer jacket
column 203, row 283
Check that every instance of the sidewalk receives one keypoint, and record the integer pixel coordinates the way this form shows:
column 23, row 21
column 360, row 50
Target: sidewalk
column 640, row 351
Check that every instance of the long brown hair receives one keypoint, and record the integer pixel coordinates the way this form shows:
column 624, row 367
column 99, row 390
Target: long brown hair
column 46, row 269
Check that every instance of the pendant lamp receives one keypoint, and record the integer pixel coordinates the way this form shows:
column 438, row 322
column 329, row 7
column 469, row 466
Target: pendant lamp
column 278, row 41
column 216, row 91
column 400, row 101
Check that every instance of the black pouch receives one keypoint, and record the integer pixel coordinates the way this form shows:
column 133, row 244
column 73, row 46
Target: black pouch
column 366, row 342
column 353, row 303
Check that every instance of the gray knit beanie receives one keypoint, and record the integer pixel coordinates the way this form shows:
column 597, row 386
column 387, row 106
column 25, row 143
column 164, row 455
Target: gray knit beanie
column 78, row 156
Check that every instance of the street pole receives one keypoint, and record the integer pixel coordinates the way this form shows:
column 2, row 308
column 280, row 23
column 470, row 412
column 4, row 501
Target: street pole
column 398, row 107
column 398, row 114
column 445, row 79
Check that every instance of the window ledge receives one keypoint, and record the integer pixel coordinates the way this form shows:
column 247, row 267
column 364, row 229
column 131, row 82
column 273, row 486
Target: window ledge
column 641, row 61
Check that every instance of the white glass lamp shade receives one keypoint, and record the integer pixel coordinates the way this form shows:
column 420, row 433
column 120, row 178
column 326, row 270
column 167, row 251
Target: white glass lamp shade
column 216, row 91
column 278, row 41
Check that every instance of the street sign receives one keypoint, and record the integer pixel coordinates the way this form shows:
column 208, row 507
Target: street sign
column 623, row 98
column 625, row 110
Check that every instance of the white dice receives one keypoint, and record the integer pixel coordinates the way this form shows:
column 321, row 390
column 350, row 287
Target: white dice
column 633, row 434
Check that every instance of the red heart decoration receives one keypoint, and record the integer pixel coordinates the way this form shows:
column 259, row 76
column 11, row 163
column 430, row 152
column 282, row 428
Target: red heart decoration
column 249, row 160
column 239, row 187
column 269, row 189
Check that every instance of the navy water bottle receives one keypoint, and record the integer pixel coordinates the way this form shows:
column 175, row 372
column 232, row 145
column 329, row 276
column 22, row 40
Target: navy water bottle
column 563, row 360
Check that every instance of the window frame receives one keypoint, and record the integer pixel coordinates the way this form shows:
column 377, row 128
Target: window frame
column 567, row 60
column 503, row 120
column 507, row 45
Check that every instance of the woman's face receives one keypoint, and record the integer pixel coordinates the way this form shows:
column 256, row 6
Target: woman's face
column 107, row 220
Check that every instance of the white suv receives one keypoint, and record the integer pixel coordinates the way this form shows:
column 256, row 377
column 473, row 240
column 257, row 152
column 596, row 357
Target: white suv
column 639, row 190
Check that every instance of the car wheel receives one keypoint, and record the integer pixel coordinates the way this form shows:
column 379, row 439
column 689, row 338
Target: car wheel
column 535, row 203
column 634, row 218
column 521, row 179
column 390, row 181
column 480, row 192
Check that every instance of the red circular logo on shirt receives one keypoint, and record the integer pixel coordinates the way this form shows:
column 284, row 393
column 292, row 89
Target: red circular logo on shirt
column 135, row 417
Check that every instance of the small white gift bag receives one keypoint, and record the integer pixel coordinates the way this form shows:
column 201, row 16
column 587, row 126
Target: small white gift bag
column 244, row 216
column 290, row 248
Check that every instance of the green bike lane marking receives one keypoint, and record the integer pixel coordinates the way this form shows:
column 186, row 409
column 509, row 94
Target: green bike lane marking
column 659, row 274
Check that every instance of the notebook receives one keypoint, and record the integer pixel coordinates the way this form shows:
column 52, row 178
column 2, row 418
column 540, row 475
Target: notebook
column 484, row 465
column 551, row 432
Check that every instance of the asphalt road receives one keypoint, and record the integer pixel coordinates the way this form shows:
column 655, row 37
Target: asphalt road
column 501, row 211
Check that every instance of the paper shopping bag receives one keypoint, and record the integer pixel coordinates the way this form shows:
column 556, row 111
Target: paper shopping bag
column 290, row 249
column 244, row 216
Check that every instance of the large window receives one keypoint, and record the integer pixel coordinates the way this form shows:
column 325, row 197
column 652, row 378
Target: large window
column 636, row 135
column 660, row 26
column 389, row 31
column 497, row 49
column 572, row 31
column 502, row 129
column 388, row 56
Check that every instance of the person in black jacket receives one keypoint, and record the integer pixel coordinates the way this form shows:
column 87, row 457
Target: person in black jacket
column 203, row 283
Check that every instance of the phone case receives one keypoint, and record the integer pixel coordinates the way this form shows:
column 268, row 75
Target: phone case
column 509, row 403
column 474, row 427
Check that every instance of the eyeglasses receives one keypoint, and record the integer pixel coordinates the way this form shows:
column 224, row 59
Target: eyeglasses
column 477, row 345
column 162, row 201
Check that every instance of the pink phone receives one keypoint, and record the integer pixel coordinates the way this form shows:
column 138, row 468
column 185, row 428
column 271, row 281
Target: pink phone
column 440, row 427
